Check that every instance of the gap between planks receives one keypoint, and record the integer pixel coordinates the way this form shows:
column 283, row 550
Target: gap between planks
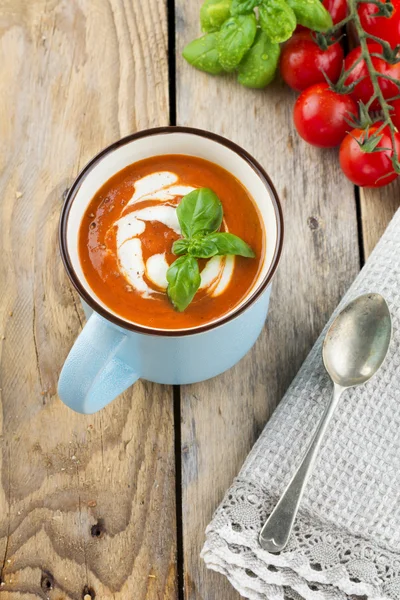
column 176, row 389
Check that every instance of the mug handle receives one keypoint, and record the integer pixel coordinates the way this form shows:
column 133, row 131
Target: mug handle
column 92, row 375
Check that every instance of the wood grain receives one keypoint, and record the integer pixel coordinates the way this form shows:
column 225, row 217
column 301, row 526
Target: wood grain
column 87, row 506
column 222, row 418
column 377, row 208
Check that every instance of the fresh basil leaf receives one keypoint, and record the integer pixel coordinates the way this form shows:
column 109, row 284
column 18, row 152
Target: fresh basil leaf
column 242, row 7
column 199, row 211
column 184, row 279
column 235, row 39
column 213, row 13
column 203, row 54
column 180, row 246
column 259, row 66
column 202, row 248
column 311, row 14
column 277, row 19
column 228, row 243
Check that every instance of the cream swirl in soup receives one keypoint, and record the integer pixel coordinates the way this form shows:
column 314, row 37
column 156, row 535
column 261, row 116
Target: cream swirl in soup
column 154, row 200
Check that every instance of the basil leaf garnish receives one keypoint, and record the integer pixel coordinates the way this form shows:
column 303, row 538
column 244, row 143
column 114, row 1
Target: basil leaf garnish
column 199, row 212
column 202, row 248
column 200, row 216
column 213, row 13
column 228, row 243
column 242, row 7
column 183, row 278
column 203, row 54
column 180, row 246
column 235, row 38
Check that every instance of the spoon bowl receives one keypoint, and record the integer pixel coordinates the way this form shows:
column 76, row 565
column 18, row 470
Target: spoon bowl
column 357, row 342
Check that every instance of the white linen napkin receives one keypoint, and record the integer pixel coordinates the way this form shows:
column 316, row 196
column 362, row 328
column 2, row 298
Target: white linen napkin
column 346, row 540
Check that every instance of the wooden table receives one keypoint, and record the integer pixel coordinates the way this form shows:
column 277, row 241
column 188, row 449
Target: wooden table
column 115, row 505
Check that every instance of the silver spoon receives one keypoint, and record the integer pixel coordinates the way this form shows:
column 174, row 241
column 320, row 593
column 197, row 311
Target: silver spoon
column 354, row 348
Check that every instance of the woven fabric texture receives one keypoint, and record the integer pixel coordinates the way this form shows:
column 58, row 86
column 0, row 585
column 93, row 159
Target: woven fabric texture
column 346, row 541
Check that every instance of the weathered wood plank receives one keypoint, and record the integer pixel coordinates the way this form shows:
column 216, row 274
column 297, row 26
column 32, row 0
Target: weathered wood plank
column 377, row 208
column 222, row 418
column 86, row 503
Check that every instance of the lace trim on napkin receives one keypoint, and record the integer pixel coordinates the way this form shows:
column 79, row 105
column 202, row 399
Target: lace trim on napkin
column 321, row 562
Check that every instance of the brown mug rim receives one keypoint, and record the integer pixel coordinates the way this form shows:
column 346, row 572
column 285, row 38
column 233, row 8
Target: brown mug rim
column 119, row 321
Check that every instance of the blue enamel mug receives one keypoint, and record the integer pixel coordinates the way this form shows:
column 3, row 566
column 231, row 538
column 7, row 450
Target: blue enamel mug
column 111, row 353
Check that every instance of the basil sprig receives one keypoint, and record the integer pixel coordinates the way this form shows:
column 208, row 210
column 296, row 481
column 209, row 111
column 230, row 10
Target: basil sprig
column 200, row 216
column 244, row 35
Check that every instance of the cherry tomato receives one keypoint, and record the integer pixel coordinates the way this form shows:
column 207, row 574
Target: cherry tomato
column 395, row 113
column 387, row 28
column 337, row 9
column 370, row 169
column 364, row 89
column 319, row 115
column 303, row 63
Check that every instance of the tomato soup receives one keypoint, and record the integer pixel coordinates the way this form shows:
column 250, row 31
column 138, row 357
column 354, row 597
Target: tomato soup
column 129, row 227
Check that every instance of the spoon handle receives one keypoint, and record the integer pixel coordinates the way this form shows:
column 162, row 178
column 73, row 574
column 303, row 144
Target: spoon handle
column 276, row 532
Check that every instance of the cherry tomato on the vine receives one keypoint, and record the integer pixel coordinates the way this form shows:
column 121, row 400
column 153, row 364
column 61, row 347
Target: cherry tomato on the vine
column 370, row 169
column 319, row 115
column 395, row 113
column 337, row 9
column 303, row 63
column 364, row 89
column 386, row 28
